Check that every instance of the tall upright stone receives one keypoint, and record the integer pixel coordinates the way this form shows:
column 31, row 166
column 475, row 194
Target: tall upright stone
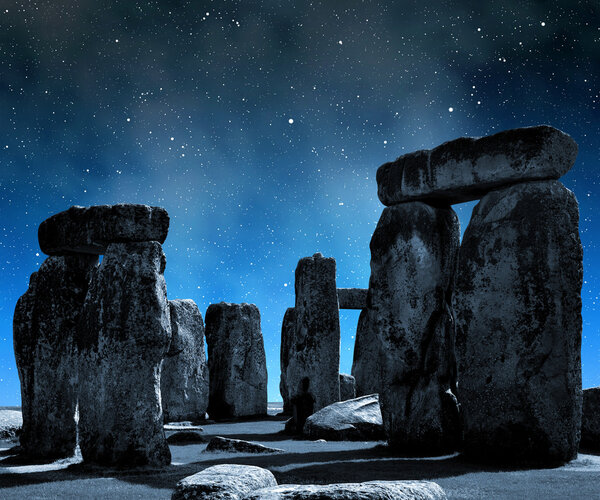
column 125, row 331
column 45, row 330
column 236, row 361
column 366, row 369
column 184, row 374
column 288, row 327
column 314, row 362
column 518, row 312
column 413, row 259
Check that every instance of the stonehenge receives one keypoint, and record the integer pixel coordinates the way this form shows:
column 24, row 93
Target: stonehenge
column 471, row 345
column 236, row 361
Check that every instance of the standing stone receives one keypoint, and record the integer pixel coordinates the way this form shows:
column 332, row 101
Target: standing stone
column 347, row 387
column 366, row 369
column 287, row 341
column 590, row 419
column 184, row 374
column 91, row 229
column 467, row 168
column 518, row 312
column 44, row 335
column 413, row 259
column 313, row 370
column 124, row 335
column 236, row 361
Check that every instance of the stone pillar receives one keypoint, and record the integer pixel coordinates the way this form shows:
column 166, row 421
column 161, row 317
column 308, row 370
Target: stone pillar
column 413, row 259
column 44, row 332
column 236, row 361
column 366, row 369
column 314, row 362
column 518, row 311
column 125, row 332
column 184, row 374
column 287, row 341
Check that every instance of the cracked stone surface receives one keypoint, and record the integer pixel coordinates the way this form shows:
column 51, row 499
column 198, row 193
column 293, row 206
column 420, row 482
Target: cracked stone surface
column 467, row 168
column 91, row 229
column 413, row 260
column 314, row 362
column 518, row 313
column 44, row 333
column 236, row 361
column 124, row 334
column 184, row 374
column 287, row 341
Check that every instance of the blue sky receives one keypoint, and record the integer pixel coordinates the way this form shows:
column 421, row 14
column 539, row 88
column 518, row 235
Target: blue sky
column 259, row 126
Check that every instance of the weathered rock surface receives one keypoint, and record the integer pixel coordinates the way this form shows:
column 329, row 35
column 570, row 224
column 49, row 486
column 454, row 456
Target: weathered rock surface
column 11, row 424
column 353, row 420
column 91, row 229
column 44, row 333
column 466, row 168
column 236, row 361
column 366, row 369
column 184, row 374
column 219, row 443
column 590, row 419
column 287, row 341
column 518, row 314
column 347, row 387
column 413, row 260
column 372, row 490
column 352, row 298
column 313, row 368
column 224, row 482
column 186, row 437
column 124, row 335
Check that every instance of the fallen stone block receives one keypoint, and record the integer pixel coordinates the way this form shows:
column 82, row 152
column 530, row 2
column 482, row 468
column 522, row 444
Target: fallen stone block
column 224, row 482
column 186, row 437
column 372, row 490
column 219, row 443
column 353, row 420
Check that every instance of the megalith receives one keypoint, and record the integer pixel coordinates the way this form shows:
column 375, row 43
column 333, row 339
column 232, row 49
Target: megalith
column 236, row 361
column 288, row 327
column 366, row 369
column 518, row 313
column 314, row 360
column 184, row 374
column 590, row 419
column 413, row 260
column 124, row 334
column 44, row 336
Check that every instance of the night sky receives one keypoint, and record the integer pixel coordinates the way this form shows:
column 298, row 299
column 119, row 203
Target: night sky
column 259, row 126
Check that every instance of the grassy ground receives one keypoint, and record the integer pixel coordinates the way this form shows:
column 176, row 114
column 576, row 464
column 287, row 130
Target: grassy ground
column 302, row 462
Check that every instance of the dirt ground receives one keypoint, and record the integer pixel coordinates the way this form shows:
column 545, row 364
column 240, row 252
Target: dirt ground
column 301, row 462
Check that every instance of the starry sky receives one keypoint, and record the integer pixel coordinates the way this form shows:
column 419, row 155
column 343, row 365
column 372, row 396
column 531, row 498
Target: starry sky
column 259, row 126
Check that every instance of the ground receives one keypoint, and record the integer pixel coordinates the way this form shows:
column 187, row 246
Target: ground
column 302, row 462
